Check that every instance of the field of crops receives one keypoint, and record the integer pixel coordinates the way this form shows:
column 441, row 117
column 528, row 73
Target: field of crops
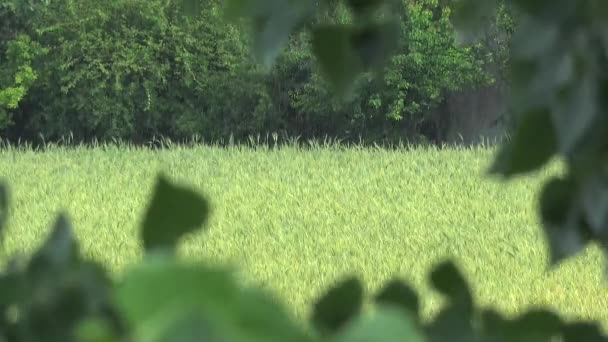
column 296, row 220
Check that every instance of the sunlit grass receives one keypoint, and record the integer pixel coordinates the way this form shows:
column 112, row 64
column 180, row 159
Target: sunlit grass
column 296, row 220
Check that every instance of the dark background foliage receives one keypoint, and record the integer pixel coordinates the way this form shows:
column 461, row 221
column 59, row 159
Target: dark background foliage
column 133, row 69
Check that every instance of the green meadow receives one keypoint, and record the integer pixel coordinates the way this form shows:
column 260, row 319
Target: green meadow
column 296, row 220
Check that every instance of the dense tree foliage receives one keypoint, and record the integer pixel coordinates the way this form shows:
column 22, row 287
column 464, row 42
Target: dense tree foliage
column 133, row 69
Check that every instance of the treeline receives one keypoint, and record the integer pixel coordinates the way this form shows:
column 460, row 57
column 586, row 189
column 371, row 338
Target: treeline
column 134, row 69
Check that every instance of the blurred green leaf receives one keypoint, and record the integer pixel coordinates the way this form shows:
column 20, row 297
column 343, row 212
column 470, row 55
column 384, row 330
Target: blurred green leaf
column 525, row 45
column 536, row 325
column 161, row 297
column 173, row 212
column 548, row 10
column 375, row 43
column 516, row 157
column 191, row 326
column 364, row 7
column 401, row 295
column 340, row 304
column 468, row 18
column 332, row 45
column 575, row 112
column 386, row 324
column 273, row 21
column 154, row 295
column 594, row 201
column 95, row 330
column 561, row 219
column 59, row 252
column 448, row 280
column 262, row 318
column 583, row 331
column 453, row 323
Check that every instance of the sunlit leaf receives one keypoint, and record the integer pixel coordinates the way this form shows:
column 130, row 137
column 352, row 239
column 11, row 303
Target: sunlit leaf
column 173, row 211
column 154, row 295
column 340, row 304
column 263, row 318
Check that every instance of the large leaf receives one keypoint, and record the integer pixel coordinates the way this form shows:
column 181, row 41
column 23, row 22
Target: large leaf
column 333, row 47
column 156, row 294
column 533, row 39
column 173, row 212
column 561, row 219
column 262, row 318
column 165, row 301
column 532, row 146
column 575, row 112
column 387, row 324
column 595, row 203
column 341, row 303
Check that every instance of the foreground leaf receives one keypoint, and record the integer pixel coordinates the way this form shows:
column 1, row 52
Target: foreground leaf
column 532, row 146
column 155, row 294
column 448, row 280
column 59, row 252
column 561, row 220
column 401, row 295
column 595, row 203
column 387, row 324
column 342, row 302
column 273, row 21
column 332, row 45
column 173, row 212
column 375, row 43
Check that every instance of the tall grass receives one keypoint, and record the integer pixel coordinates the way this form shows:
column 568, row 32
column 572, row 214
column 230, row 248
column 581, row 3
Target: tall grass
column 297, row 219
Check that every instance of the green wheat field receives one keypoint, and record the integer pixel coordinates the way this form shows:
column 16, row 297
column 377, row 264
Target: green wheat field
column 297, row 220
